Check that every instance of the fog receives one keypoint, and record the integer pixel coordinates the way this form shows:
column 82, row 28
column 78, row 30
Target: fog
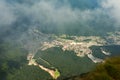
column 59, row 16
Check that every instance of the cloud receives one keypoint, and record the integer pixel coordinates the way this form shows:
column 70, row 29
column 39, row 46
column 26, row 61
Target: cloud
column 7, row 16
column 52, row 16
column 113, row 7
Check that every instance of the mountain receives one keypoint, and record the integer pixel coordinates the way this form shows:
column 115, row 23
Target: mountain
column 55, row 39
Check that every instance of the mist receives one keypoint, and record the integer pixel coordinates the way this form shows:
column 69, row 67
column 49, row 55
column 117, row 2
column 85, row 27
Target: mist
column 113, row 8
column 36, row 28
column 80, row 17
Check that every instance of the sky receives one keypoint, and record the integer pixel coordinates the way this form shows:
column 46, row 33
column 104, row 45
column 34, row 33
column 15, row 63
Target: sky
column 59, row 15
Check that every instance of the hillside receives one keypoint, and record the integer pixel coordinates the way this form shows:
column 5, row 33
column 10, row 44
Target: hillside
column 109, row 70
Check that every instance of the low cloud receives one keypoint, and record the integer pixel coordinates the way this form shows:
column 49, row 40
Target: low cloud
column 7, row 16
column 59, row 16
column 113, row 7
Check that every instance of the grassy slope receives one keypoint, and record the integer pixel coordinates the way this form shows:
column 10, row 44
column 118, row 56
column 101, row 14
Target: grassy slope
column 110, row 70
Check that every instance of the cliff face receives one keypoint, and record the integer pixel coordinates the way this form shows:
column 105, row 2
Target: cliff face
column 109, row 70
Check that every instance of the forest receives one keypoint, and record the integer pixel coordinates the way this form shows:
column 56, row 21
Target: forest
column 109, row 70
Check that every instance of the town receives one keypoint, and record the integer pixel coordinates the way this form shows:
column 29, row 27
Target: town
column 80, row 45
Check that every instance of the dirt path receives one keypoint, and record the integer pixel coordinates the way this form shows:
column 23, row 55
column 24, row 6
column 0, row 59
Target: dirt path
column 54, row 73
